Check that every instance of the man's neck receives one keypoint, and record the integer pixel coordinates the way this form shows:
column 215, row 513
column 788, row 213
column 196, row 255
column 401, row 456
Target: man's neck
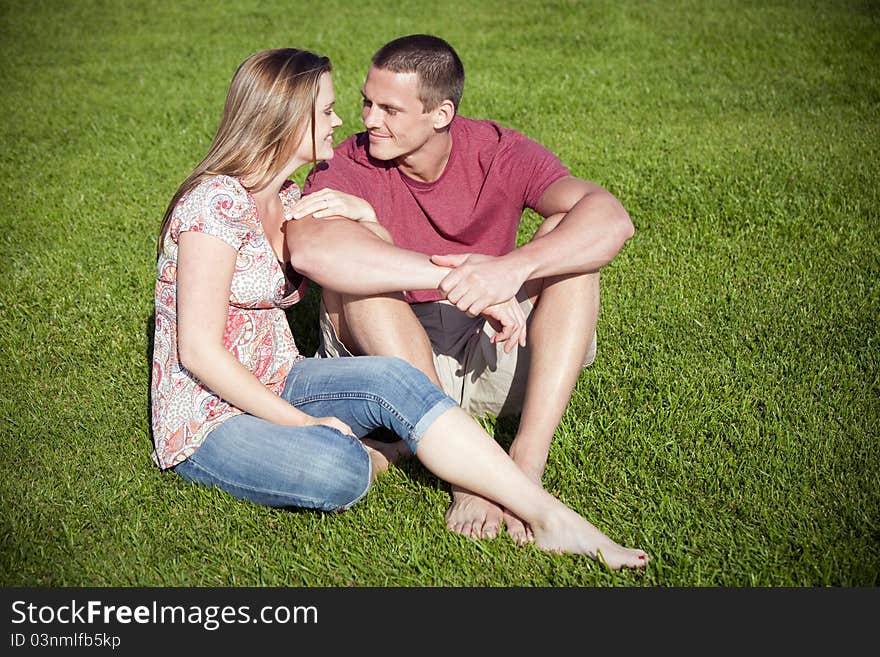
column 428, row 163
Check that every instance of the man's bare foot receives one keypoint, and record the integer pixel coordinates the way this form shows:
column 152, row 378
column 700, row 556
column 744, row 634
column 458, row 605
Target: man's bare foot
column 566, row 531
column 383, row 454
column 473, row 516
column 518, row 530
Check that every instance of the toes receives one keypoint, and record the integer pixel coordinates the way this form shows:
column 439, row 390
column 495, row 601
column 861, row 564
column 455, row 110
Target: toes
column 490, row 528
column 517, row 533
column 636, row 559
column 456, row 527
column 474, row 518
column 518, row 530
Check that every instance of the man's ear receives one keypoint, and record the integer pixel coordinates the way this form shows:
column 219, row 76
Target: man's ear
column 443, row 114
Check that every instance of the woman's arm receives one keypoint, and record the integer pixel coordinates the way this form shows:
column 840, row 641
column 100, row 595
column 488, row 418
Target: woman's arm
column 204, row 277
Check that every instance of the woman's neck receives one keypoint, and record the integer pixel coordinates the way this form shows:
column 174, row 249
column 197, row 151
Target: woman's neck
column 267, row 197
column 271, row 214
column 269, row 194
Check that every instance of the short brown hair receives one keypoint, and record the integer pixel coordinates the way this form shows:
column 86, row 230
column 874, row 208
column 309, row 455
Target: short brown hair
column 440, row 72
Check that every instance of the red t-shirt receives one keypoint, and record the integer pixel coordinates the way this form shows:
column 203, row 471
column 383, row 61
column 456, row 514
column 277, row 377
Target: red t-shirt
column 476, row 205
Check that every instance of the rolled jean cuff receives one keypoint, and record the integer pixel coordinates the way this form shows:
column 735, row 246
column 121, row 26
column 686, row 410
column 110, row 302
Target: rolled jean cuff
column 415, row 436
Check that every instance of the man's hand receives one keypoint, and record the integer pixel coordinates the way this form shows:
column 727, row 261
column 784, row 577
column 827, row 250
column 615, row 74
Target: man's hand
column 332, row 203
column 509, row 322
column 477, row 281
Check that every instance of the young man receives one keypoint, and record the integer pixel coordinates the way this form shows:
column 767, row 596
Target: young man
column 454, row 189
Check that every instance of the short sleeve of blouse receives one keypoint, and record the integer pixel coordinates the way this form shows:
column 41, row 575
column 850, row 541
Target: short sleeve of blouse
column 290, row 194
column 219, row 207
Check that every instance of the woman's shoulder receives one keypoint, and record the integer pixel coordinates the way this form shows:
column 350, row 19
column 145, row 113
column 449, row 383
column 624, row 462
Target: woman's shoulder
column 221, row 185
column 222, row 193
column 290, row 194
column 214, row 201
column 290, row 191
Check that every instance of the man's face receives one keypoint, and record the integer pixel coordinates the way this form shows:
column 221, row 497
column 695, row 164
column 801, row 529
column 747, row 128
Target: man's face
column 393, row 116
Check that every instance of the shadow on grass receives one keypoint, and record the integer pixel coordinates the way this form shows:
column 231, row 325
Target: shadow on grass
column 303, row 320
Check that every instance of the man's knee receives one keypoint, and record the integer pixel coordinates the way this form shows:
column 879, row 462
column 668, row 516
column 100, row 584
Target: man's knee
column 353, row 316
column 393, row 369
column 337, row 302
column 567, row 288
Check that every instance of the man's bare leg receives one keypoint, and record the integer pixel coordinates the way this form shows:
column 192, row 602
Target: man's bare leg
column 561, row 329
column 382, row 325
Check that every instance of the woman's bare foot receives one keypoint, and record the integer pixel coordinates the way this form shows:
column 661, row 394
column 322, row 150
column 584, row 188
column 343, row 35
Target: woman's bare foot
column 566, row 531
column 383, row 454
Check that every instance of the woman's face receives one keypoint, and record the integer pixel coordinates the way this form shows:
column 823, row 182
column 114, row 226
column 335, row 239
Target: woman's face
column 325, row 121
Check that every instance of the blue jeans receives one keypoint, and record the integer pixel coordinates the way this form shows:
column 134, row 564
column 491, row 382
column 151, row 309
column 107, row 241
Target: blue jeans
column 317, row 467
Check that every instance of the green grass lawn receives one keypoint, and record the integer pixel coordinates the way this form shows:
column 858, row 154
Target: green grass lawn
column 730, row 423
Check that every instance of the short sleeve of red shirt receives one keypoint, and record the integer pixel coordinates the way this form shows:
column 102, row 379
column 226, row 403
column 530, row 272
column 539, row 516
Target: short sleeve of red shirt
column 528, row 168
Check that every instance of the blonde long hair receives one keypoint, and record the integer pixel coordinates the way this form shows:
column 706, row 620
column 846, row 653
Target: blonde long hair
column 270, row 99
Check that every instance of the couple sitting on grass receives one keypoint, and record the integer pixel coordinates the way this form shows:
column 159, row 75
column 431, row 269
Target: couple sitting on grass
column 430, row 315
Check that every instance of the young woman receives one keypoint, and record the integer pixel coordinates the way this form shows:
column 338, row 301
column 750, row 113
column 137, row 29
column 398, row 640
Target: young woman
column 234, row 404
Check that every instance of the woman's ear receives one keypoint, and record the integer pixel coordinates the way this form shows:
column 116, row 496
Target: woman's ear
column 443, row 114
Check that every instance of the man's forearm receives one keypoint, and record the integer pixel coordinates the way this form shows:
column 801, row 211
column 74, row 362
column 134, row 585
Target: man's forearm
column 344, row 256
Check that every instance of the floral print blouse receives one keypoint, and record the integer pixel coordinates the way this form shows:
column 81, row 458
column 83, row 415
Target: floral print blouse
column 257, row 331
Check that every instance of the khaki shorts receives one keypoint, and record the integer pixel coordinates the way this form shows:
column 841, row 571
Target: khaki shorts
column 477, row 374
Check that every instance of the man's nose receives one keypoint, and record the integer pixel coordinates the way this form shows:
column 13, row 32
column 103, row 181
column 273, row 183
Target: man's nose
column 372, row 117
